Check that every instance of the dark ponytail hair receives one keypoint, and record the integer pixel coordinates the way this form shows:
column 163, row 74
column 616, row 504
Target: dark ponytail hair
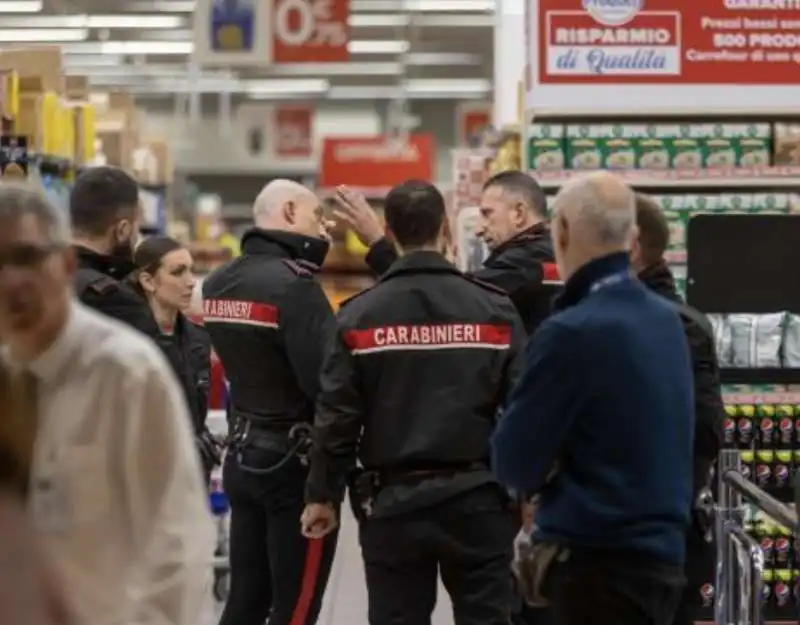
column 148, row 256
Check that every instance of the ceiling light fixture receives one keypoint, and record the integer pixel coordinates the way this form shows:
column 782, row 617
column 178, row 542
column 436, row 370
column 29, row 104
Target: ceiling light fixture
column 11, row 6
column 39, row 35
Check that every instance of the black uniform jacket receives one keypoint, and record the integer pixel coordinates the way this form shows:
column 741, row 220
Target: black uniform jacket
column 523, row 267
column 189, row 351
column 269, row 322
column 99, row 283
column 709, row 407
column 416, row 373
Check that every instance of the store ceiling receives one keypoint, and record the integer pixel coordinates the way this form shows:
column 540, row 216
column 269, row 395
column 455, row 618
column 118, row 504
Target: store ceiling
column 443, row 48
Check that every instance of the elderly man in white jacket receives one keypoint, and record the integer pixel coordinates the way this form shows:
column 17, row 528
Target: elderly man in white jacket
column 115, row 489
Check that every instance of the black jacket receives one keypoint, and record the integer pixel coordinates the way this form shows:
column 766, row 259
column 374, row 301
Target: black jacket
column 421, row 361
column 523, row 267
column 709, row 407
column 189, row 351
column 100, row 284
column 269, row 322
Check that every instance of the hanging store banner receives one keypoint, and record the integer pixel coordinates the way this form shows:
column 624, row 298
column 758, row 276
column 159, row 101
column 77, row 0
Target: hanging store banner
column 606, row 56
column 293, row 131
column 251, row 33
column 473, row 119
column 373, row 165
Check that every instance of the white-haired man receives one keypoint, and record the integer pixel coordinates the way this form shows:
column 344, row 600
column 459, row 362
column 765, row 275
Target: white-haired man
column 269, row 323
column 114, row 487
column 605, row 398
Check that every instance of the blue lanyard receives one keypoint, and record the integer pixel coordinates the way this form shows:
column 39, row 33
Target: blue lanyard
column 614, row 278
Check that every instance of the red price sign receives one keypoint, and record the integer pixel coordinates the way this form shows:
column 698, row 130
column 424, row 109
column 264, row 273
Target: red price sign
column 293, row 131
column 310, row 31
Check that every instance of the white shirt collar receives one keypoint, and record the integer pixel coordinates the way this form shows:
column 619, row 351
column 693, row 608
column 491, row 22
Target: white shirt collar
column 49, row 365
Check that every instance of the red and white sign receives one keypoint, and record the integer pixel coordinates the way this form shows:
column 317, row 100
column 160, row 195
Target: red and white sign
column 283, row 31
column 472, row 120
column 240, row 313
column 293, row 131
column 428, row 337
column 629, row 55
column 373, row 165
column 310, row 31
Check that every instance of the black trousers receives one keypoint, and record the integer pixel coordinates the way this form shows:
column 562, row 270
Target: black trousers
column 612, row 588
column 466, row 539
column 701, row 558
column 276, row 573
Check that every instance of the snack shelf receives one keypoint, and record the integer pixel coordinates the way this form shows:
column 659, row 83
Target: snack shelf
column 723, row 178
column 730, row 375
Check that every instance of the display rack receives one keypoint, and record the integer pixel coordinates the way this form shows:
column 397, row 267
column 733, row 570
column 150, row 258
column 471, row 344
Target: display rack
column 738, row 264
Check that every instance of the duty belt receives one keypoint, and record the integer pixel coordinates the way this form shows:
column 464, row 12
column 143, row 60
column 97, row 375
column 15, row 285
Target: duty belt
column 294, row 443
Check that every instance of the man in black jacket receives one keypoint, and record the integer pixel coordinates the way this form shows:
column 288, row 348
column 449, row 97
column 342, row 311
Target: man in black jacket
column 513, row 223
column 647, row 259
column 269, row 322
column 104, row 211
column 412, row 384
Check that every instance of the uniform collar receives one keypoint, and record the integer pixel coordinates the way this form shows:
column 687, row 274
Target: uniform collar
column 117, row 268
column 420, row 262
column 50, row 365
column 536, row 231
column 579, row 285
column 275, row 243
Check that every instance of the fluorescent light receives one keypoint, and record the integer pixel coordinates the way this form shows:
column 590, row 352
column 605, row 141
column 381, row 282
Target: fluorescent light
column 162, row 6
column 91, row 61
column 36, row 35
column 356, row 68
column 94, row 21
column 452, row 86
column 367, row 46
column 166, row 48
column 378, row 21
column 356, row 6
column 9, row 6
column 284, row 87
column 441, row 58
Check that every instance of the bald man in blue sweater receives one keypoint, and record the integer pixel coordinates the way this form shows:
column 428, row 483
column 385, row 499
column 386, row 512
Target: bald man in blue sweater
column 606, row 398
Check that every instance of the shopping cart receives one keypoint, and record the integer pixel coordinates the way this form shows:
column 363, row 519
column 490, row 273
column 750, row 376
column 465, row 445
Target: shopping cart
column 220, row 508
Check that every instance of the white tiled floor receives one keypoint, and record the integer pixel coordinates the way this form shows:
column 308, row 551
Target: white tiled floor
column 346, row 597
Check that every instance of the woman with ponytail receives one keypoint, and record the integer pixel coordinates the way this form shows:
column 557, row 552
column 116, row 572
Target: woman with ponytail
column 165, row 279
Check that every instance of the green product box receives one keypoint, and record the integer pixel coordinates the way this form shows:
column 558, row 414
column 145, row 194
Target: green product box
column 546, row 147
column 705, row 203
column 736, row 203
column 754, row 145
column 677, row 229
column 672, row 202
column 654, row 146
column 688, row 147
column 721, row 145
column 601, row 146
column 771, row 203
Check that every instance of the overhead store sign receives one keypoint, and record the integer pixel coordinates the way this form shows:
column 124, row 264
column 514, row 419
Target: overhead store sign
column 374, row 165
column 602, row 56
column 293, row 131
column 260, row 33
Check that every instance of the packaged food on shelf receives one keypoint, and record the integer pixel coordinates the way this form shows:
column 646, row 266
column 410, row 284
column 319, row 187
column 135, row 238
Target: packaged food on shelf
column 603, row 146
column 546, row 147
column 688, row 147
column 791, row 342
column 585, row 147
column 722, row 339
column 756, row 339
column 654, row 146
column 787, row 143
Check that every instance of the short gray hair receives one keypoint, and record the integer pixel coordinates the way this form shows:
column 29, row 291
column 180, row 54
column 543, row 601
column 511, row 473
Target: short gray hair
column 607, row 211
column 18, row 199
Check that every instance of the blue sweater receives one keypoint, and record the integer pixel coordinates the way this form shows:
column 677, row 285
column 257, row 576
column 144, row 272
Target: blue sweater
column 606, row 397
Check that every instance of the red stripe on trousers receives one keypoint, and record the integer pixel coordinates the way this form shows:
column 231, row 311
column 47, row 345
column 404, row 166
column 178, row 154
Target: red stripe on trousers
column 309, row 584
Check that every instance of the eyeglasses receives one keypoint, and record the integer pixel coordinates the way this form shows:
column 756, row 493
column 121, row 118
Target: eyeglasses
column 25, row 255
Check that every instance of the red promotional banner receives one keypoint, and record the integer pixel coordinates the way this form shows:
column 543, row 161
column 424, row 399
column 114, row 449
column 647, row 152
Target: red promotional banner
column 310, row 31
column 376, row 164
column 702, row 42
column 472, row 120
column 293, row 131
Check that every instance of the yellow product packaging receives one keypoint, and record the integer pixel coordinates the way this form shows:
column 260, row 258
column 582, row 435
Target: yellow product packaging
column 10, row 102
column 49, row 124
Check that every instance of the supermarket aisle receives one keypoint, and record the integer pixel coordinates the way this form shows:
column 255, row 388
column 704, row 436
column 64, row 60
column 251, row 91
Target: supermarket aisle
column 346, row 599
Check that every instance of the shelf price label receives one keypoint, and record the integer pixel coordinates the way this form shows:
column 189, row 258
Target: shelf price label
column 310, row 31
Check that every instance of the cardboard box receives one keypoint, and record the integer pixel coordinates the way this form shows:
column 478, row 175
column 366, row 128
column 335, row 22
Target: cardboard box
column 42, row 62
column 77, row 87
column 152, row 163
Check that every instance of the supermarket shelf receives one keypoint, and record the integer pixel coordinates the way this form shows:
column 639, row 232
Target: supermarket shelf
column 675, row 257
column 592, row 112
column 686, row 178
column 730, row 375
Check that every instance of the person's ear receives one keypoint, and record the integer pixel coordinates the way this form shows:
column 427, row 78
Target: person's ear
column 124, row 230
column 290, row 212
column 518, row 213
column 563, row 232
column 147, row 282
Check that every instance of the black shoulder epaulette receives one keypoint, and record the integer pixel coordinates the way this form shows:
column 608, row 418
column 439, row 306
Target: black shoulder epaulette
column 300, row 267
column 102, row 285
column 355, row 296
column 484, row 285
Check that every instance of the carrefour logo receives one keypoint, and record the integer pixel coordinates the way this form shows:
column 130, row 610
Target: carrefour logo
column 613, row 12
